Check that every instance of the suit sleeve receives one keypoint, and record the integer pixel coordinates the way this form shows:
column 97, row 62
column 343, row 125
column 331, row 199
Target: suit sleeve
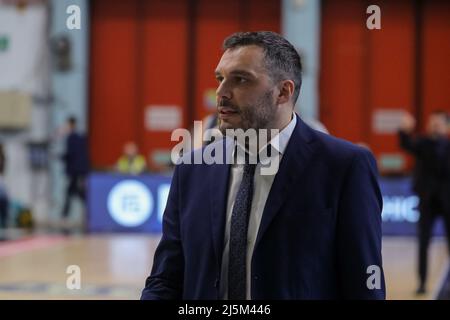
column 359, row 232
column 166, row 279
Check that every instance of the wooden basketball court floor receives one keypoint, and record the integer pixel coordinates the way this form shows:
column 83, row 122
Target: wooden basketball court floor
column 115, row 266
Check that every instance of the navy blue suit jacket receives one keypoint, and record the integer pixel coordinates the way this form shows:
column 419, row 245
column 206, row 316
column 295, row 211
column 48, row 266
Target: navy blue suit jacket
column 76, row 157
column 319, row 236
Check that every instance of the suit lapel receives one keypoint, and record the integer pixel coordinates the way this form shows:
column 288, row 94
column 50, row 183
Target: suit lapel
column 296, row 157
column 218, row 182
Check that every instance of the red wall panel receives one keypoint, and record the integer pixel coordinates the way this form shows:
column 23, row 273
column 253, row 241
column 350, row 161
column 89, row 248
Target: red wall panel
column 263, row 15
column 391, row 71
column 113, row 102
column 403, row 66
column 163, row 71
column 342, row 74
column 436, row 57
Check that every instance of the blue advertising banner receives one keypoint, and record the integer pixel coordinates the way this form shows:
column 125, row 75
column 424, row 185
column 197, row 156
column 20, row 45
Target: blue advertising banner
column 126, row 203
column 122, row 203
column 400, row 208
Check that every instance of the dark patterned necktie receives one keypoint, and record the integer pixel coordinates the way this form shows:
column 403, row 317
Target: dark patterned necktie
column 237, row 272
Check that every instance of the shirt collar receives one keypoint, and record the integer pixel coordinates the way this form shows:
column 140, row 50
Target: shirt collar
column 280, row 142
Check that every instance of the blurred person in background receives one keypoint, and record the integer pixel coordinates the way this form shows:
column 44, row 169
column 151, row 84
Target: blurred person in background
column 76, row 162
column 431, row 180
column 3, row 196
column 131, row 162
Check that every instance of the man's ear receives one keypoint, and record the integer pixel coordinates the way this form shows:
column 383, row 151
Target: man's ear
column 287, row 88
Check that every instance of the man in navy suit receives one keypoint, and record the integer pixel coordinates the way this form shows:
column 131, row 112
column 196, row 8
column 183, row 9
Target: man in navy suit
column 76, row 161
column 311, row 230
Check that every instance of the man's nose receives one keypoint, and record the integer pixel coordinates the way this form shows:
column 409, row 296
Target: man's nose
column 223, row 91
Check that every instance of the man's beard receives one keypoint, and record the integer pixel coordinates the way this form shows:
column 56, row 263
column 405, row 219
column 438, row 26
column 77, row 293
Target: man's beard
column 260, row 115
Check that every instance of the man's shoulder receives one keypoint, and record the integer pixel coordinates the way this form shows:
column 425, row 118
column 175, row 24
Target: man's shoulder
column 339, row 150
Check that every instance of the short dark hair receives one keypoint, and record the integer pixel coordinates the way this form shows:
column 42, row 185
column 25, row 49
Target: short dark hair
column 282, row 59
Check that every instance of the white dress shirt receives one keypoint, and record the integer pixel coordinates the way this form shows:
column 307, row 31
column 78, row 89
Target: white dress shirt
column 262, row 185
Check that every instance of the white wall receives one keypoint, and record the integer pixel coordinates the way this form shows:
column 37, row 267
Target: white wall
column 301, row 26
column 25, row 70
column 69, row 91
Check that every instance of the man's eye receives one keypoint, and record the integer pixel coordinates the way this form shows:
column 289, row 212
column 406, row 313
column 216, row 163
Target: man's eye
column 240, row 79
column 219, row 79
